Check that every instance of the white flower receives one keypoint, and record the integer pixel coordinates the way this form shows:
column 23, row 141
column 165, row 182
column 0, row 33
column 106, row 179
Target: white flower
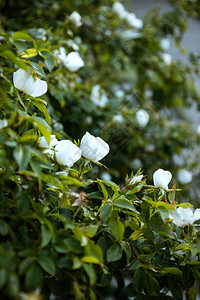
column 198, row 129
column 75, row 18
column 62, row 173
column 142, row 117
column 119, row 93
column 119, row 9
column 184, row 176
column 118, row 118
column 47, row 148
column 131, row 18
column 167, row 58
column 135, row 179
column 25, row 82
column 93, row 148
column 165, row 44
column 129, row 34
column 184, row 216
column 162, row 178
column 98, row 96
column 67, row 153
column 136, row 163
column 106, row 176
column 72, row 61
column 134, row 21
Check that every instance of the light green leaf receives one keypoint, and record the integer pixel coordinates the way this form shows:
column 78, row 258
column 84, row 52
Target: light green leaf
column 20, row 35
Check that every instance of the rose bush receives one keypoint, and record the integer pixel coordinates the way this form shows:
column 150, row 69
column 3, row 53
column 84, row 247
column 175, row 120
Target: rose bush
column 63, row 230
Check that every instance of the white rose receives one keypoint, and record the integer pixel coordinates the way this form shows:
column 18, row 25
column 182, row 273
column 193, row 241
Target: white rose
column 135, row 179
column 134, row 21
column 184, row 216
column 142, row 117
column 119, row 9
column 167, row 58
column 184, row 176
column 25, row 82
column 67, row 153
column 198, row 130
column 98, row 96
column 93, row 148
column 162, row 178
column 72, row 61
column 47, row 148
column 75, row 18
column 106, row 176
column 118, row 118
column 165, row 44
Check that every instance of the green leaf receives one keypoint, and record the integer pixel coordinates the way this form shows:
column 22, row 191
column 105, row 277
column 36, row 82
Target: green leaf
column 43, row 127
column 164, row 205
column 50, row 61
column 22, row 156
column 3, row 228
column 37, row 68
column 104, row 191
column 90, row 230
column 114, row 253
column 139, row 279
column 3, row 277
column 11, row 56
column 47, row 264
column 124, row 203
column 116, row 226
column 28, row 53
column 20, row 35
column 105, row 212
column 171, row 196
column 91, row 273
column 135, row 235
column 172, row 270
column 90, row 259
column 42, row 107
column 46, row 235
column 34, row 278
column 152, row 285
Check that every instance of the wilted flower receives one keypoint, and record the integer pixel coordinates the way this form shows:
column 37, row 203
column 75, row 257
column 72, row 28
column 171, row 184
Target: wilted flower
column 72, row 61
column 47, row 148
column 142, row 117
column 135, row 179
column 161, row 178
column 75, row 18
column 184, row 216
column 98, row 96
column 93, row 148
column 26, row 83
column 167, row 58
column 184, row 176
column 67, row 153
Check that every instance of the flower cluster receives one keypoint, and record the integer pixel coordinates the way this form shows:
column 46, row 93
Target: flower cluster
column 66, row 153
column 130, row 18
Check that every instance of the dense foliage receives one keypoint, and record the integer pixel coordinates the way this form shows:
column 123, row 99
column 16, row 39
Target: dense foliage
column 65, row 227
